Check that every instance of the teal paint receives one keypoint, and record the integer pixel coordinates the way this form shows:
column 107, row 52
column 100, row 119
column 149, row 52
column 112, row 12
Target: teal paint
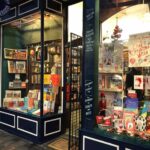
column 11, row 39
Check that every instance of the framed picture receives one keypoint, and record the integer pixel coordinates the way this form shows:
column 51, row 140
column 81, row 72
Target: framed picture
column 9, row 53
column 9, row 94
column 11, row 66
column 20, row 67
column 22, row 54
column 38, row 53
column 17, row 94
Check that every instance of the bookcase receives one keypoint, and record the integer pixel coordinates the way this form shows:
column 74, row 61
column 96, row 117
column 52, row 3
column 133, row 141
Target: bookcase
column 110, row 77
column 16, row 61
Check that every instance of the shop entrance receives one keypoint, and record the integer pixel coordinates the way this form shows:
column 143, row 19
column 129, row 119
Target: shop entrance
column 73, row 56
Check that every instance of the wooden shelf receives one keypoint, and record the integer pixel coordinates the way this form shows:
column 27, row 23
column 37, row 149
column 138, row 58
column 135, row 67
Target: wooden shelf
column 111, row 72
column 17, row 72
column 18, row 88
column 110, row 90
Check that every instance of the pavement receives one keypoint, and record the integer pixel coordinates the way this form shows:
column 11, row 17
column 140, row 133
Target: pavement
column 12, row 142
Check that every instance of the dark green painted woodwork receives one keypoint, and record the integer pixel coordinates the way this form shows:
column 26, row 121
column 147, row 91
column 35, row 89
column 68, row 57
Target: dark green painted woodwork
column 11, row 39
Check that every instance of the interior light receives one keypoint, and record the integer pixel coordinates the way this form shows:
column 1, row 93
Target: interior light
column 147, row 16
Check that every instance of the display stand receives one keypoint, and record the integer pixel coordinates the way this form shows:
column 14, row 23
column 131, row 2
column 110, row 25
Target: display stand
column 44, row 126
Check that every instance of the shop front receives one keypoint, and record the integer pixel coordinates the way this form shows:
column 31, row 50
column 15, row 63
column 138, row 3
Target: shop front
column 32, row 103
column 116, row 98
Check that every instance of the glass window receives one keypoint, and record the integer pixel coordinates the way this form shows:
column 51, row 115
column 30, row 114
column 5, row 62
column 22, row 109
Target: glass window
column 124, row 73
column 23, row 68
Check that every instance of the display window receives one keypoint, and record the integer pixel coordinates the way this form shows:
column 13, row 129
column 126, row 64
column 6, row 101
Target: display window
column 124, row 73
column 32, row 68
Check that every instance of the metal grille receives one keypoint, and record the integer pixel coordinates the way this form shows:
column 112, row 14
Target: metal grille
column 73, row 92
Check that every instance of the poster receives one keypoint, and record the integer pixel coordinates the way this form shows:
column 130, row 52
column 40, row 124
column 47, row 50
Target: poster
column 138, row 82
column 139, row 50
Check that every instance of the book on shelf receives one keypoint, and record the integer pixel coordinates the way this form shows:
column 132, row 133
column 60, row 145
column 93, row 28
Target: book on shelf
column 20, row 54
column 17, row 76
column 36, row 79
column 20, row 66
column 17, row 84
column 110, row 82
column 11, row 66
column 8, row 94
column 8, row 53
column 33, row 94
column 11, row 84
column 12, row 94
column 47, row 79
column 17, row 94
column 16, row 67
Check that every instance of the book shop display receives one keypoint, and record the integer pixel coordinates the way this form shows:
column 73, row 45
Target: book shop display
column 32, row 72
column 117, row 96
column 124, row 84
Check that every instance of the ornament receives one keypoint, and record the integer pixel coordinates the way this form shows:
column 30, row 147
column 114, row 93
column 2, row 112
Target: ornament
column 117, row 31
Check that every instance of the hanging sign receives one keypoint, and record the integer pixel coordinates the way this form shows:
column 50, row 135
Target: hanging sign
column 4, row 7
column 139, row 50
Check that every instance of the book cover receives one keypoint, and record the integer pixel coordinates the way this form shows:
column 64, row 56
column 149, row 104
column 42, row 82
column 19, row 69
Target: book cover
column 9, row 94
column 9, row 53
column 11, row 66
column 22, row 54
column 47, row 79
column 17, row 84
column 20, row 66
column 31, row 103
column 116, row 82
column 11, row 84
column 129, row 121
column 17, row 94
column 56, row 79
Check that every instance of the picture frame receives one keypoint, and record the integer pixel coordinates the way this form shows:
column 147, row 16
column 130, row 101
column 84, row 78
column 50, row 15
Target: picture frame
column 20, row 67
column 20, row 54
column 11, row 66
column 17, row 94
column 9, row 53
column 9, row 94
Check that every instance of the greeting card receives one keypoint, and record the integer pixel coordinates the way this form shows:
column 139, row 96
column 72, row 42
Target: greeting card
column 138, row 82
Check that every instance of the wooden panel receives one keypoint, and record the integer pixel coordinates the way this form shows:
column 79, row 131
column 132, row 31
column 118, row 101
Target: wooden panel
column 28, row 126
column 7, row 119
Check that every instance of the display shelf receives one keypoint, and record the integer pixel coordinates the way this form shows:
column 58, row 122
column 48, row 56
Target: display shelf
column 110, row 72
column 28, row 51
column 110, row 140
column 17, row 88
column 110, row 90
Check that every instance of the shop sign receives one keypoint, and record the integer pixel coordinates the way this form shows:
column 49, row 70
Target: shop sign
column 4, row 7
column 139, row 50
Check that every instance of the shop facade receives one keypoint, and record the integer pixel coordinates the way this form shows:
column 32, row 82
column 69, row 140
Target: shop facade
column 32, row 68
column 115, row 87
